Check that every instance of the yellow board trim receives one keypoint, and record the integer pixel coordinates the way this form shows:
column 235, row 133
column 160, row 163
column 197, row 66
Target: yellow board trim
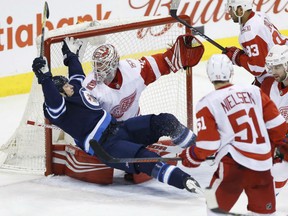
column 21, row 84
column 17, row 84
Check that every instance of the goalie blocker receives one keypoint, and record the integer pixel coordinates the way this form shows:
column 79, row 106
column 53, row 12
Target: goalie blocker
column 185, row 52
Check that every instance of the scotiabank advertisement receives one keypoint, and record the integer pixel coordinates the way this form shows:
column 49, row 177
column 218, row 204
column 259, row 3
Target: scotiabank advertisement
column 21, row 21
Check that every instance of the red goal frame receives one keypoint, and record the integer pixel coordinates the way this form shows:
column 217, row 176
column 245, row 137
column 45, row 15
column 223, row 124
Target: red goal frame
column 103, row 31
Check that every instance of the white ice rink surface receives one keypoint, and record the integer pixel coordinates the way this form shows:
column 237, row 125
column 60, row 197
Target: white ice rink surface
column 37, row 195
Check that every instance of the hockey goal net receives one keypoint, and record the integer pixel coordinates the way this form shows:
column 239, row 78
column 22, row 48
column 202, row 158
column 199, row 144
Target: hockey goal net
column 29, row 149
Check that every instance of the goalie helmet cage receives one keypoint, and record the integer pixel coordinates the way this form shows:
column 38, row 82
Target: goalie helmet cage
column 30, row 147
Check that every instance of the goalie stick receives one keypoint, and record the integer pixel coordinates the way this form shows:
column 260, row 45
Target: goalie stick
column 172, row 149
column 105, row 157
column 158, row 147
column 173, row 12
column 45, row 16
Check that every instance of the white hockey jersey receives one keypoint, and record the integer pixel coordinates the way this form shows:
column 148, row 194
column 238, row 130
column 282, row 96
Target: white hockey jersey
column 257, row 36
column 278, row 94
column 240, row 120
column 122, row 100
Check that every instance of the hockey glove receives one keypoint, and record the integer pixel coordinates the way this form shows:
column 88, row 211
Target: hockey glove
column 185, row 52
column 70, row 47
column 40, row 69
column 278, row 156
column 281, row 151
column 284, row 149
column 189, row 159
column 234, row 53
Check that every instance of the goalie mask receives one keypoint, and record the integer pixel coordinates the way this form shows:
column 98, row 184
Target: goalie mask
column 105, row 62
column 277, row 56
column 59, row 82
column 219, row 68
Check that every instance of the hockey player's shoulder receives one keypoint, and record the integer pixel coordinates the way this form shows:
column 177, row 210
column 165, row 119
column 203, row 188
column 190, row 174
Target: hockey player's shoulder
column 131, row 63
column 268, row 81
column 203, row 98
column 207, row 97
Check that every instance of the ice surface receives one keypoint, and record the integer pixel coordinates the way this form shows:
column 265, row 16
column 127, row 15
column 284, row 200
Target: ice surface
column 36, row 195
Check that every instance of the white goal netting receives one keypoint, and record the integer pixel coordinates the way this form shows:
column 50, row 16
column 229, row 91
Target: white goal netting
column 133, row 39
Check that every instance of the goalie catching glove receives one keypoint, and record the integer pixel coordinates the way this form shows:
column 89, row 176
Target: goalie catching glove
column 70, row 47
column 40, row 69
column 185, row 52
column 281, row 152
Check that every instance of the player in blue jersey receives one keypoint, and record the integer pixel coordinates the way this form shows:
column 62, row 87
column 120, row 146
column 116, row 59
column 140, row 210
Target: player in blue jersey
column 71, row 108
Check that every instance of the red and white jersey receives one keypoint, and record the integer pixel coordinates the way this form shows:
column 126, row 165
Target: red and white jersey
column 122, row 101
column 240, row 120
column 257, row 36
column 278, row 94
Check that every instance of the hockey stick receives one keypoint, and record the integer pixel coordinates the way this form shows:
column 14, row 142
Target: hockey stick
column 44, row 17
column 173, row 12
column 171, row 149
column 159, row 147
column 105, row 157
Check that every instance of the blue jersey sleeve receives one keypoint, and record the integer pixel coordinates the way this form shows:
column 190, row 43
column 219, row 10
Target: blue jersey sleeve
column 75, row 71
column 54, row 102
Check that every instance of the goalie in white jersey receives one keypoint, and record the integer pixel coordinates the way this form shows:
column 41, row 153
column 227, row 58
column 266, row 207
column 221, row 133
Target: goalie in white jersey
column 118, row 84
column 257, row 36
column 237, row 123
column 276, row 88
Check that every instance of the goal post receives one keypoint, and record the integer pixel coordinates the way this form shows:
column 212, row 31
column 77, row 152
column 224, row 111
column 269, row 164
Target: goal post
column 133, row 38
